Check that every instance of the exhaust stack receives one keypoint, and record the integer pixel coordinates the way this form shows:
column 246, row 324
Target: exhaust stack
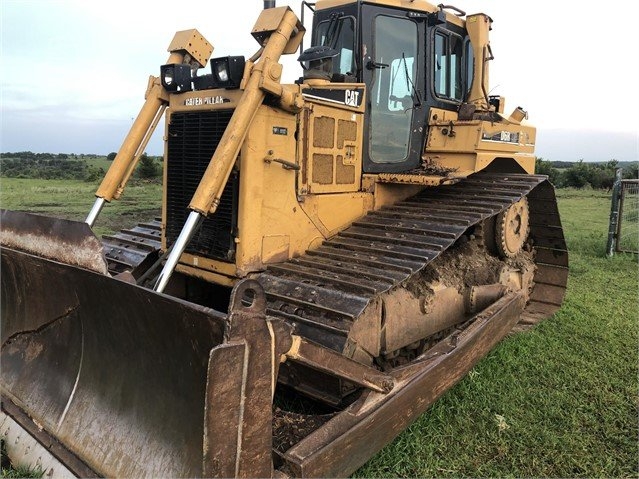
column 269, row 4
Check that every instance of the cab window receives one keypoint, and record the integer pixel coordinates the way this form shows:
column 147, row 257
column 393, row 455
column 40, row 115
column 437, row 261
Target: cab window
column 470, row 65
column 392, row 88
column 344, row 62
column 401, row 84
column 448, row 67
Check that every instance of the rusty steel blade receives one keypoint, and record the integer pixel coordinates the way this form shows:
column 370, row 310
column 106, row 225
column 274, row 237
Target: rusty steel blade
column 70, row 242
column 115, row 372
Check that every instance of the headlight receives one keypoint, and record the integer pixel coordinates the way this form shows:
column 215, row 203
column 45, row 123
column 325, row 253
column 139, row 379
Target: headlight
column 168, row 77
column 222, row 72
column 176, row 77
column 227, row 71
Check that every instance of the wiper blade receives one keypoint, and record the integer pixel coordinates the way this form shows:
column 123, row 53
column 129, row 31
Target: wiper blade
column 414, row 94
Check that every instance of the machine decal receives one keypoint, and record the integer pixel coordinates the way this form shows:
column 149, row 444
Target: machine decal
column 280, row 130
column 349, row 97
column 207, row 100
column 501, row 136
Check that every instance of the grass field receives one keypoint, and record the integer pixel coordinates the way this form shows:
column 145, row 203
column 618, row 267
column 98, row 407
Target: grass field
column 558, row 401
column 73, row 199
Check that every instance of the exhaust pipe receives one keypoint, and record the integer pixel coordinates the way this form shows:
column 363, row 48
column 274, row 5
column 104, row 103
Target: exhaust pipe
column 269, row 4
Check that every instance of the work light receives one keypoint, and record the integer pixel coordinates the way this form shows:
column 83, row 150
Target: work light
column 176, row 77
column 222, row 71
column 227, row 71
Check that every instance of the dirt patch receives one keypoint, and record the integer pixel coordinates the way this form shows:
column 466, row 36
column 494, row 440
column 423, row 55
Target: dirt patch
column 467, row 263
column 430, row 166
column 289, row 428
column 34, row 349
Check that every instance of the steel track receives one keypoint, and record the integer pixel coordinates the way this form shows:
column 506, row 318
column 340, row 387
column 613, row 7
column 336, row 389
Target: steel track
column 133, row 249
column 323, row 292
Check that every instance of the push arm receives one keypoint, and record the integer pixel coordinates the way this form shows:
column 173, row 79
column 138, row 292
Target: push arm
column 187, row 47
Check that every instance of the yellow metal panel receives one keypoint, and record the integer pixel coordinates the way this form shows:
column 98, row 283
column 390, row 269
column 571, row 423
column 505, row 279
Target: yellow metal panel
column 208, row 276
column 467, row 164
column 453, row 137
column 441, row 116
column 333, row 213
column 470, row 146
column 218, row 99
column 387, row 193
column 464, row 164
column 270, row 211
column 507, row 138
column 275, row 248
column 199, row 262
column 331, row 145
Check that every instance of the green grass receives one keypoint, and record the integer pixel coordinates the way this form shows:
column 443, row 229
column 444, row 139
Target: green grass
column 73, row 199
column 8, row 471
column 20, row 472
column 557, row 401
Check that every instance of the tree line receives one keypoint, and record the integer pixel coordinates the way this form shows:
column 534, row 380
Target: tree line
column 63, row 166
column 26, row 164
column 585, row 175
column 29, row 155
column 48, row 169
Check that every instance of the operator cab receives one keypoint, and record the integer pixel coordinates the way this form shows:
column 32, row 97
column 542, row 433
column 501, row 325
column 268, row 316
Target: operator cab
column 410, row 61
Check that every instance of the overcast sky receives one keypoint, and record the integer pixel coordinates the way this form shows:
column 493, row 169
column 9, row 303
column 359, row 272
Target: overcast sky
column 74, row 72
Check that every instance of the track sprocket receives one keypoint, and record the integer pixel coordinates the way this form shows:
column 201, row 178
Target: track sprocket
column 511, row 229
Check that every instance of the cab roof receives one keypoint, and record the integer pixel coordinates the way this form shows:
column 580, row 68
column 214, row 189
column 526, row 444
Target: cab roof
column 413, row 5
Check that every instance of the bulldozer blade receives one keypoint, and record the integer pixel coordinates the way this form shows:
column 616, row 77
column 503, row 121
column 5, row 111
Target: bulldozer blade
column 114, row 372
column 69, row 242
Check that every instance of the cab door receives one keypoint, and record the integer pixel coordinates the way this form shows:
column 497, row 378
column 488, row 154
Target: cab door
column 393, row 70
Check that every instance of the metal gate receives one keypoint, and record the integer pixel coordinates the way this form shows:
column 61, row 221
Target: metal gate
column 623, row 232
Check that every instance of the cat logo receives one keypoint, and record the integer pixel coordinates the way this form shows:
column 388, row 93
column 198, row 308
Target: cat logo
column 351, row 97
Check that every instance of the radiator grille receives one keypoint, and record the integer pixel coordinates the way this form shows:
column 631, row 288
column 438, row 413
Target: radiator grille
column 192, row 140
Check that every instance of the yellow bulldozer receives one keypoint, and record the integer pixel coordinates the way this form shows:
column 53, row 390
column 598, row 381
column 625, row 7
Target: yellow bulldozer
column 332, row 256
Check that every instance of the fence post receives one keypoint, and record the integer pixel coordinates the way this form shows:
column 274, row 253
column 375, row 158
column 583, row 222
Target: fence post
column 614, row 213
